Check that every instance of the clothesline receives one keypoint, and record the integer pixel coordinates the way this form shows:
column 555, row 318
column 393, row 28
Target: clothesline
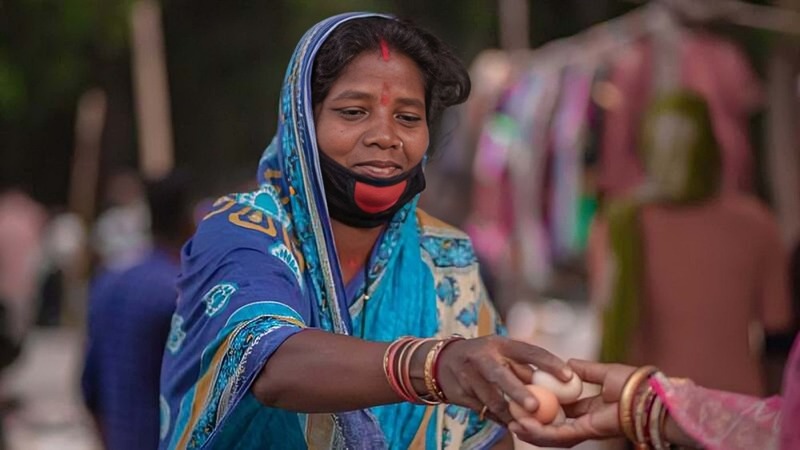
column 657, row 18
column 764, row 17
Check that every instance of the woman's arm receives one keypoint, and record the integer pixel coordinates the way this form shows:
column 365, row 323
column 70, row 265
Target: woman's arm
column 316, row 371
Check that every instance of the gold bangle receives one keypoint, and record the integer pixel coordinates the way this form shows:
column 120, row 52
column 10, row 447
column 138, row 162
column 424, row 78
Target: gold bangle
column 626, row 399
column 429, row 383
column 432, row 358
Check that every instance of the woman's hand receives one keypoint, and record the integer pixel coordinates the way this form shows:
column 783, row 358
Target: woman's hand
column 593, row 417
column 484, row 371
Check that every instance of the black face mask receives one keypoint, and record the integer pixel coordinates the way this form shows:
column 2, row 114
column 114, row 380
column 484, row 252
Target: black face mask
column 364, row 202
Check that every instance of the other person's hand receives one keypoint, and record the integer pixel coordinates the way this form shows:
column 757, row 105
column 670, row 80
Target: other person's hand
column 594, row 417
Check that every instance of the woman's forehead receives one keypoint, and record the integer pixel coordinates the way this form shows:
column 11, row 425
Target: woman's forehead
column 374, row 70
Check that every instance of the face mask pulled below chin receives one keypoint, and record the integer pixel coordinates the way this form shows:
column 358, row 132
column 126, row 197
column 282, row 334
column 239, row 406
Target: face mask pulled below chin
column 365, row 202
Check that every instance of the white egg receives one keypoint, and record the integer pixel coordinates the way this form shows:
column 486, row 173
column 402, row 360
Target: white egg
column 566, row 393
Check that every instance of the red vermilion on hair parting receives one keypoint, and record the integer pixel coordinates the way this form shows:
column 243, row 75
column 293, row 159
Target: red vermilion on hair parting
column 384, row 50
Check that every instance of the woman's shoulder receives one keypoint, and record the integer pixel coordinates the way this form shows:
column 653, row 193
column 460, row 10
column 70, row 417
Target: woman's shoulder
column 434, row 226
column 249, row 220
column 446, row 245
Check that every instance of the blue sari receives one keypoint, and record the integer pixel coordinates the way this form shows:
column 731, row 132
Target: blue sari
column 262, row 266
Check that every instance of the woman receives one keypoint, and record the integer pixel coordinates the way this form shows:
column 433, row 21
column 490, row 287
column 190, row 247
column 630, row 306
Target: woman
column 679, row 412
column 290, row 295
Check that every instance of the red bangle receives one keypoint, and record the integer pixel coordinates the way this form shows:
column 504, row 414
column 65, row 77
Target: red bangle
column 435, row 371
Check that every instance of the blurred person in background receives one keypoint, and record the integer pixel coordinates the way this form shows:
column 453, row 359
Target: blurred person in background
column 129, row 320
column 64, row 243
column 120, row 237
column 22, row 222
column 297, row 301
column 686, row 276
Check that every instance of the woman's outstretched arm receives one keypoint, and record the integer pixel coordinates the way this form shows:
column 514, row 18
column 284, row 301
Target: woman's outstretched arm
column 317, row 371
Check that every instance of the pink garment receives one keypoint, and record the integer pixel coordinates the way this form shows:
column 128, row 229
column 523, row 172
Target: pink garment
column 711, row 271
column 790, row 431
column 711, row 66
column 725, row 421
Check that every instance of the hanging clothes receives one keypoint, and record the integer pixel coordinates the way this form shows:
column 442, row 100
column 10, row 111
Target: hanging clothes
column 731, row 99
column 569, row 136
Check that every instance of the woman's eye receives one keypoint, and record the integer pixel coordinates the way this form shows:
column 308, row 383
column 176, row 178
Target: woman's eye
column 409, row 118
column 351, row 113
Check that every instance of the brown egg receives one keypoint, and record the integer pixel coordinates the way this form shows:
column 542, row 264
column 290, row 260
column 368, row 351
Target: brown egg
column 548, row 405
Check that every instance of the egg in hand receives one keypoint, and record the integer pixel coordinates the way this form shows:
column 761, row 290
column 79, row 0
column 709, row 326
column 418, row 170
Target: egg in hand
column 548, row 406
column 566, row 393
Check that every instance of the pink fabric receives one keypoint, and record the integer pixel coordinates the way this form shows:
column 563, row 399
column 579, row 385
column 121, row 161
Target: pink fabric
column 721, row 420
column 727, row 421
column 711, row 66
column 790, row 430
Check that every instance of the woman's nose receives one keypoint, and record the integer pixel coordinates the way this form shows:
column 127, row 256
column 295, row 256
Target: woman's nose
column 383, row 134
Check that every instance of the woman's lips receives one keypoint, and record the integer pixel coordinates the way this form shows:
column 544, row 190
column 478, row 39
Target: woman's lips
column 378, row 169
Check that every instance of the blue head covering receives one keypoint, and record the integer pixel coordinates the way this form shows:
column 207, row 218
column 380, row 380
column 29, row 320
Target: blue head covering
column 293, row 157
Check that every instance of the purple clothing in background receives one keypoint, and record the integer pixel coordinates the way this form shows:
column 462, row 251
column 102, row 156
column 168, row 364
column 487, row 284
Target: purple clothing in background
column 129, row 320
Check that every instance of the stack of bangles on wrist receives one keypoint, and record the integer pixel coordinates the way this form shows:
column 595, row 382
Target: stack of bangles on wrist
column 397, row 368
column 642, row 414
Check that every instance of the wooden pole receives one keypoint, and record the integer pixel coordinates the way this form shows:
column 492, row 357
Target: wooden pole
column 783, row 115
column 514, row 24
column 151, row 90
column 90, row 120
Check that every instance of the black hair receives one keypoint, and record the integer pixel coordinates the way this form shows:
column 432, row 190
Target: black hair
column 446, row 79
column 170, row 204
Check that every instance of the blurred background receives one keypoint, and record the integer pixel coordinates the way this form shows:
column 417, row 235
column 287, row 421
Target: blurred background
column 98, row 98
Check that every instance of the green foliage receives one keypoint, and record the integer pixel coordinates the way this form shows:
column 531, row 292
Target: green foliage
column 48, row 50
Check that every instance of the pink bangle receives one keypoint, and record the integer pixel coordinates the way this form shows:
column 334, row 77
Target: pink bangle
column 405, row 375
column 390, row 363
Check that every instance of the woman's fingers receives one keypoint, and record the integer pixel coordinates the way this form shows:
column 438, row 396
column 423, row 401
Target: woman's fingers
column 539, row 357
column 488, row 393
column 523, row 371
column 501, row 376
column 589, row 371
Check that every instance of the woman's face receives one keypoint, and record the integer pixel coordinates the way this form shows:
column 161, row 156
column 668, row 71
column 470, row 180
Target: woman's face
column 373, row 119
